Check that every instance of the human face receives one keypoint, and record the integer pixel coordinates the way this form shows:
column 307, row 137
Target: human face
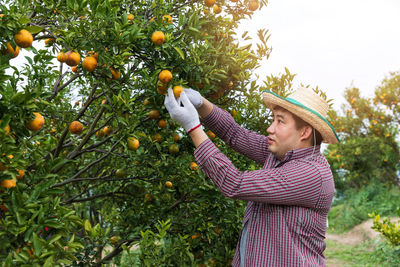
column 282, row 133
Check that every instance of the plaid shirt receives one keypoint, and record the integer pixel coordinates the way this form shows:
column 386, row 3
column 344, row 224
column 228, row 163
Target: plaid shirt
column 288, row 201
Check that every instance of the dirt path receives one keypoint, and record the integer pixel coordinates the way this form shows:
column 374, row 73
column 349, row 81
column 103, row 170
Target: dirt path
column 338, row 245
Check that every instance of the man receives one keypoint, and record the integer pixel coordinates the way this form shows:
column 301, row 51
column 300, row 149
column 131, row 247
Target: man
column 290, row 197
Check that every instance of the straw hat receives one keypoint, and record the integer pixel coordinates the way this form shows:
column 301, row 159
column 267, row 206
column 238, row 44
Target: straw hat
column 308, row 106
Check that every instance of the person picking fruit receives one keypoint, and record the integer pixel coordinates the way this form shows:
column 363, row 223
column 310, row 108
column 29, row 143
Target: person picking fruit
column 290, row 196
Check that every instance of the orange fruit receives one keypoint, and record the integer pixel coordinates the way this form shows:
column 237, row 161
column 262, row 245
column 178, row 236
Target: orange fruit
column 21, row 174
column 196, row 236
column 154, row 114
column 49, row 41
column 73, row 58
column 62, row 57
column 114, row 239
column 75, row 69
column 167, row 19
column 89, row 63
column 23, row 39
column 161, row 88
column 1, row 15
column 168, row 184
column 173, row 149
column 146, row 102
column 130, row 17
column 9, row 50
column 194, row 166
column 37, row 123
column 93, row 54
column 104, row 101
column 177, row 90
column 165, row 76
column 158, row 37
column 217, row 9
column 253, row 5
column 157, row 137
column 8, row 183
column 206, row 11
column 6, row 129
column 76, row 127
column 100, row 133
column 234, row 113
column 162, row 123
column 133, row 143
column 176, row 137
column 115, row 74
column 120, row 173
column 209, row 3
column 210, row 134
column 108, row 130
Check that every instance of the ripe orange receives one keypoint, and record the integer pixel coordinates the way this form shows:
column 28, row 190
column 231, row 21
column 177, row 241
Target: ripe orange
column 108, row 130
column 6, row 129
column 120, row 173
column 133, row 143
column 100, row 133
column 49, row 41
column 161, row 88
column 76, row 127
column 75, row 69
column 21, row 174
column 154, row 114
column 115, row 74
column 165, row 76
column 209, row 3
column 23, row 39
column 62, row 57
column 196, row 236
column 210, row 134
column 73, row 58
column 89, row 63
column 176, row 137
column 146, row 101
column 173, row 149
column 37, row 123
column 93, row 54
column 217, row 9
column 162, row 123
column 194, row 166
column 158, row 37
column 253, row 5
column 130, row 17
column 9, row 50
column 167, row 19
column 168, row 184
column 8, row 183
column 157, row 138
column 104, row 101
column 177, row 90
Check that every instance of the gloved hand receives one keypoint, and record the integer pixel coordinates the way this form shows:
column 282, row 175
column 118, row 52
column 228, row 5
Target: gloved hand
column 185, row 115
column 194, row 97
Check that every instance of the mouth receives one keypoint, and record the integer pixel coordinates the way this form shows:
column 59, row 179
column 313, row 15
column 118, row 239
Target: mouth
column 270, row 140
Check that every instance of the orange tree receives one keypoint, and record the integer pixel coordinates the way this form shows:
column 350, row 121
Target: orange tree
column 369, row 128
column 90, row 162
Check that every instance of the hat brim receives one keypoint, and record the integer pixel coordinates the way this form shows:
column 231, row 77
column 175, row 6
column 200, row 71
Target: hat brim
column 310, row 116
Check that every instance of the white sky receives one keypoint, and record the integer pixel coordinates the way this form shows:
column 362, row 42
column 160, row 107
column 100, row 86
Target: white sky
column 332, row 44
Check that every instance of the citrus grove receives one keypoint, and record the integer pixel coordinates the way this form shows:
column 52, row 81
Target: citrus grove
column 91, row 165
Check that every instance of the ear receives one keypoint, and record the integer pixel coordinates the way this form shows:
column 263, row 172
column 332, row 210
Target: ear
column 306, row 133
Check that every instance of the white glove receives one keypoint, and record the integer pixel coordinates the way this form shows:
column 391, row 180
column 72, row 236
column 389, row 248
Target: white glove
column 194, row 97
column 185, row 115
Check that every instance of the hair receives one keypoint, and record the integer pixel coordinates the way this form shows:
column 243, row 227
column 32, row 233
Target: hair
column 300, row 123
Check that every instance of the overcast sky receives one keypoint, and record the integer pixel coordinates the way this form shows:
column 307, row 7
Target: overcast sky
column 332, row 44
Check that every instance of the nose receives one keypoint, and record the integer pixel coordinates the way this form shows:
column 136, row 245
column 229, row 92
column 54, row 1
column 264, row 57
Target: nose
column 271, row 128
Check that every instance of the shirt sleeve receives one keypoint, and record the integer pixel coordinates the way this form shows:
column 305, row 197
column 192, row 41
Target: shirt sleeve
column 296, row 182
column 243, row 141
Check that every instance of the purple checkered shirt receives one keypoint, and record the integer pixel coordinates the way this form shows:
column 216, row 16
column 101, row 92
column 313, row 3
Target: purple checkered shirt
column 288, row 201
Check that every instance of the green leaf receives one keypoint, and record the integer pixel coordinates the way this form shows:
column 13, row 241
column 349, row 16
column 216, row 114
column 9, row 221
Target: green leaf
column 179, row 52
column 54, row 238
column 24, row 20
column 34, row 29
column 88, row 226
column 36, row 244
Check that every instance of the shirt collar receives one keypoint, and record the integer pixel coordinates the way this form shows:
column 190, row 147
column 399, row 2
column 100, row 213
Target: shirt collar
column 302, row 153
